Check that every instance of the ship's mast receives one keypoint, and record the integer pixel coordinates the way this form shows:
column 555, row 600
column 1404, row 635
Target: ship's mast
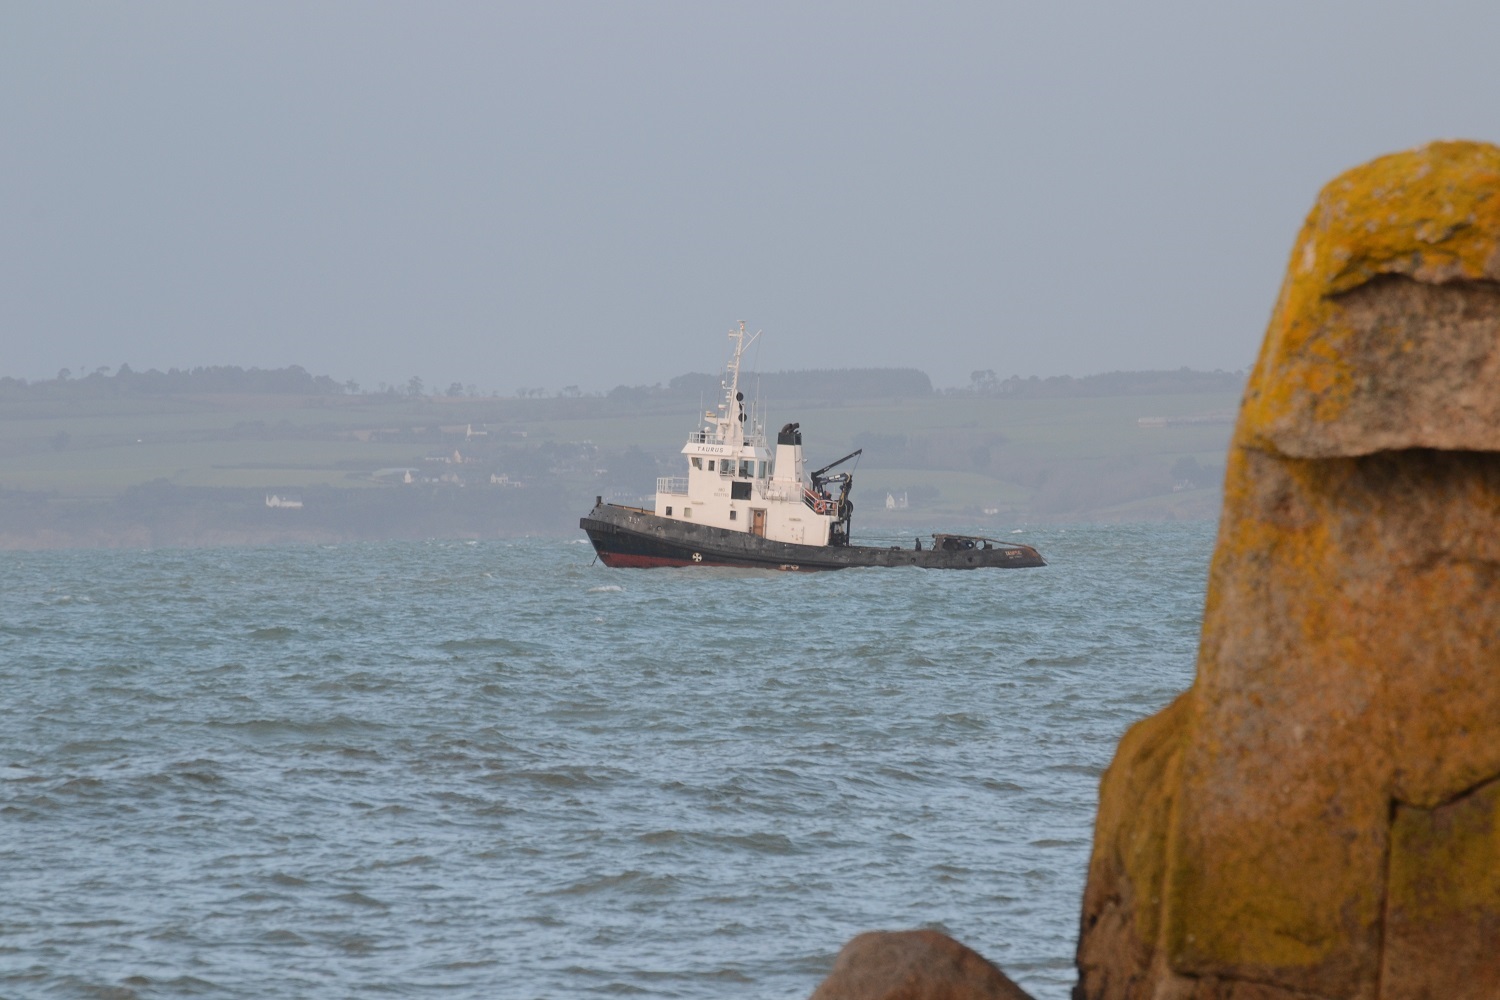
column 738, row 336
column 733, row 418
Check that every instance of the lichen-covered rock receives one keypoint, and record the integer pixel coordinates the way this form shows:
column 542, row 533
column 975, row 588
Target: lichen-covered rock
column 913, row 965
column 1319, row 815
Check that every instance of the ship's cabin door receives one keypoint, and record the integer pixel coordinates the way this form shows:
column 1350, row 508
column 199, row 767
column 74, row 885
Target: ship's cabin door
column 758, row 522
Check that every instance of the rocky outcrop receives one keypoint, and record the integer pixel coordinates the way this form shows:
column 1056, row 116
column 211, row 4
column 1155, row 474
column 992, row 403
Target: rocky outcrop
column 913, row 965
column 1319, row 815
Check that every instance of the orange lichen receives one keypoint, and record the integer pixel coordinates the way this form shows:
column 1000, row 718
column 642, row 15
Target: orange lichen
column 1430, row 214
column 1443, row 898
column 1249, row 835
column 1138, row 805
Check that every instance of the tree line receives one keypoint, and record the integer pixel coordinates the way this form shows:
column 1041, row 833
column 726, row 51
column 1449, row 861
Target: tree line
column 1148, row 383
column 826, row 384
column 293, row 380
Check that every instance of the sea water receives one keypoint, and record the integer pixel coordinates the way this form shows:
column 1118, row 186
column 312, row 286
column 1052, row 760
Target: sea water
column 498, row 769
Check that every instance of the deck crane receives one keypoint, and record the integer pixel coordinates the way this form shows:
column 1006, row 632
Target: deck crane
column 839, row 530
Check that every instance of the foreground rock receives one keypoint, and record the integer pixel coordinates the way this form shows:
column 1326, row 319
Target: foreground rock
column 913, row 965
column 1319, row 815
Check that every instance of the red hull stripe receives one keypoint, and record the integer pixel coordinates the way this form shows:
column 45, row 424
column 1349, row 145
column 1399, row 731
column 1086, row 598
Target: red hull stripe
column 621, row 560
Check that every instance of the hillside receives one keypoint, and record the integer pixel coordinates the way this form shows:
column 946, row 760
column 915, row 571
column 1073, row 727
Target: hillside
column 219, row 456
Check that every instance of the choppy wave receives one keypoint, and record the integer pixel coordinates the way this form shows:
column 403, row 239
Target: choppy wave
column 496, row 769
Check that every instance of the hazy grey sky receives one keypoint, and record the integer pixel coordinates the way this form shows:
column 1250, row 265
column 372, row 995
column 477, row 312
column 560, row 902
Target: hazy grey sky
column 544, row 194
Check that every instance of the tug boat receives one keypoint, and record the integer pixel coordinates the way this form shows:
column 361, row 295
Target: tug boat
column 743, row 504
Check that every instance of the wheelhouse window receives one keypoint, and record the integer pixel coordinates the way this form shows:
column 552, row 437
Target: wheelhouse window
column 698, row 463
column 710, row 465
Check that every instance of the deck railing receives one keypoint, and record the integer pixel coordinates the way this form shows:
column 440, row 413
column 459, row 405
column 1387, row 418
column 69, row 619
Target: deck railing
column 817, row 503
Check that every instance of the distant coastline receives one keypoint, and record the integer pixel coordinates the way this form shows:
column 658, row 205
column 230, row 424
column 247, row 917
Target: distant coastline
column 194, row 458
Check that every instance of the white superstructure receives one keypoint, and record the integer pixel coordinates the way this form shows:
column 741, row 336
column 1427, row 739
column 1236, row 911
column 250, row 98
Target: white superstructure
column 735, row 481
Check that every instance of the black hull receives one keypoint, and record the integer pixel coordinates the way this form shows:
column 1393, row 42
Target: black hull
column 632, row 537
